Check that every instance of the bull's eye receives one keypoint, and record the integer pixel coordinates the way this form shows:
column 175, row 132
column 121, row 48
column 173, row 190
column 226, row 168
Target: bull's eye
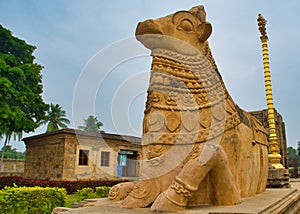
column 186, row 25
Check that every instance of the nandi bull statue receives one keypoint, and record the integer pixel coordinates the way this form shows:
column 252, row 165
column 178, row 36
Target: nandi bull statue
column 198, row 146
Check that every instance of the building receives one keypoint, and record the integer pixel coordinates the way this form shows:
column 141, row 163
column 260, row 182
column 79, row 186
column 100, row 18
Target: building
column 70, row 154
column 262, row 116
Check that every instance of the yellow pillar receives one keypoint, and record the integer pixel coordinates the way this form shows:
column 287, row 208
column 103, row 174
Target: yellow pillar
column 274, row 156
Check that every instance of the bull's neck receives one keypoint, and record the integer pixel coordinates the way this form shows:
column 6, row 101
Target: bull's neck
column 197, row 67
column 187, row 82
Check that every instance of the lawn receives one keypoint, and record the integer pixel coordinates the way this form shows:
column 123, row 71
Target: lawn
column 70, row 200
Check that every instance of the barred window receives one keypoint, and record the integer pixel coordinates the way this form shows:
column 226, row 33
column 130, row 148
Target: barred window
column 83, row 157
column 105, row 158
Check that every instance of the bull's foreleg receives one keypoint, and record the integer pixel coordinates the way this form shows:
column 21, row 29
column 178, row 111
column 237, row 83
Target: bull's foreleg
column 143, row 193
column 176, row 197
column 225, row 190
column 120, row 191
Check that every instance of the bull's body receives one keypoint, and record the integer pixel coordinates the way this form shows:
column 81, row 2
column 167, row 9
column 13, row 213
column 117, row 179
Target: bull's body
column 198, row 146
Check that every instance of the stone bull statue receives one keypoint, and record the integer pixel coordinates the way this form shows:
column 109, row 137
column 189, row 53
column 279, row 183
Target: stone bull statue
column 198, row 146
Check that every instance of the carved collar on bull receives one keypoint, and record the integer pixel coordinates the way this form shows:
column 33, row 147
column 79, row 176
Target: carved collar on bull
column 187, row 101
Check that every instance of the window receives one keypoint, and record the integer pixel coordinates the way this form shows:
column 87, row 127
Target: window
column 105, row 158
column 83, row 157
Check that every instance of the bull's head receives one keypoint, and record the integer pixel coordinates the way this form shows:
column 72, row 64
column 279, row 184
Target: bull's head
column 185, row 32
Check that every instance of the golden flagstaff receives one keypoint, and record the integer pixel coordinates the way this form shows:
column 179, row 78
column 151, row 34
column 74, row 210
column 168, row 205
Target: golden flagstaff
column 274, row 156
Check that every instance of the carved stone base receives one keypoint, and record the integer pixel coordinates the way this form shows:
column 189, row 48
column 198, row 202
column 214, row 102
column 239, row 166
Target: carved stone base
column 278, row 178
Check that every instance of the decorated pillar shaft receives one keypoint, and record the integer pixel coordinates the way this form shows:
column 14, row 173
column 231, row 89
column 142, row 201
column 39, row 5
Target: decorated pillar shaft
column 275, row 156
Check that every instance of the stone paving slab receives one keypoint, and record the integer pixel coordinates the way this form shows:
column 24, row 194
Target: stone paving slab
column 264, row 203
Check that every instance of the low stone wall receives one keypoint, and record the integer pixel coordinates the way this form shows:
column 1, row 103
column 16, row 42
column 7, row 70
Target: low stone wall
column 11, row 166
column 9, row 174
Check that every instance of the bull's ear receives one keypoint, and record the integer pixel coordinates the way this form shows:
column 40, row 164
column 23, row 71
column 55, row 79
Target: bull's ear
column 204, row 31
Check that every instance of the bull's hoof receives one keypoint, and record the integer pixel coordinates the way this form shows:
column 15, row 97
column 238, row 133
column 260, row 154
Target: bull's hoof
column 163, row 204
column 142, row 195
column 120, row 191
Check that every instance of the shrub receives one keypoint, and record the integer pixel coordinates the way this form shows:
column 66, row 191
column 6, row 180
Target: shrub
column 33, row 200
column 85, row 193
column 88, row 192
column 102, row 191
column 70, row 186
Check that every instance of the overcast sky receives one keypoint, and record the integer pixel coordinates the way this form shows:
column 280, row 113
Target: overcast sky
column 94, row 66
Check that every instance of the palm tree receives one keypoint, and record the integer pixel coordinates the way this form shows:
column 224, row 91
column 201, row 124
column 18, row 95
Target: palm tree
column 55, row 118
column 92, row 124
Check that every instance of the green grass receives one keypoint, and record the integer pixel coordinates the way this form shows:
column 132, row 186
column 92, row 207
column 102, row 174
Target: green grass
column 86, row 193
column 70, row 200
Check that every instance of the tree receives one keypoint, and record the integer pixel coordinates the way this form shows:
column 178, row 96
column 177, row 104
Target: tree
column 21, row 103
column 55, row 118
column 293, row 159
column 12, row 153
column 92, row 124
column 292, row 153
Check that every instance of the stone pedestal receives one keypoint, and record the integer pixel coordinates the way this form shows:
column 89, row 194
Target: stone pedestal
column 278, row 178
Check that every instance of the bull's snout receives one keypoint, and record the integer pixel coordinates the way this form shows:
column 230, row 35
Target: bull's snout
column 148, row 27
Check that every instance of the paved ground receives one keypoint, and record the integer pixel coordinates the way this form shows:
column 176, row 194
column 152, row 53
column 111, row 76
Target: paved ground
column 261, row 203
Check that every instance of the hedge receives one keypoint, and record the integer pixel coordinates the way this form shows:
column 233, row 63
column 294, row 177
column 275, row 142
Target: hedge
column 88, row 192
column 31, row 200
column 102, row 191
column 70, row 186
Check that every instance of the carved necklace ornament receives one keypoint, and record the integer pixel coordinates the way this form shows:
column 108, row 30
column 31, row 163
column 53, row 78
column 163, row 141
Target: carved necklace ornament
column 189, row 86
column 187, row 104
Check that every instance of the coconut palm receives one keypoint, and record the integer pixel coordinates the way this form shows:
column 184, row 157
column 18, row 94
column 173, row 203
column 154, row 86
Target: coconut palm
column 55, row 118
column 92, row 124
